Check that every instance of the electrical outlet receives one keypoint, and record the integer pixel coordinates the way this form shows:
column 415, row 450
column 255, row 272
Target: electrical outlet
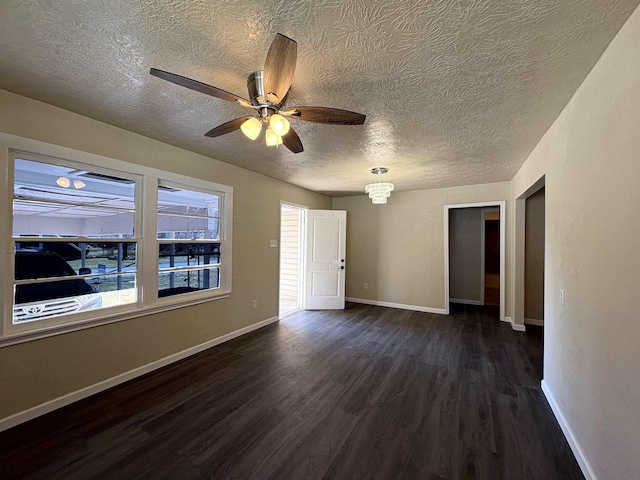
column 254, row 304
column 366, row 286
column 562, row 296
column 273, row 243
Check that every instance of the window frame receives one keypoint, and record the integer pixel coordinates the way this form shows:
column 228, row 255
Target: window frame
column 222, row 227
column 145, row 236
column 77, row 317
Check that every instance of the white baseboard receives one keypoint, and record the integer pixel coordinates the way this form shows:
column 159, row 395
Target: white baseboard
column 72, row 397
column 517, row 328
column 587, row 471
column 416, row 308
column 534, row 321
column 465, row 302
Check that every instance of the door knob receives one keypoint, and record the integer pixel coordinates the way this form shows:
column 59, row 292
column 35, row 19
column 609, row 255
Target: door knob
column 342, row 267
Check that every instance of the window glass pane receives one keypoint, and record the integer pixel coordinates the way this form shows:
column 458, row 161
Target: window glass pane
column 172, row 255
column 56, row 200
column 185, row 281
column 187, row 214
column 39, row 259
column 118, row 290
column 187, row 228
column 48, row 308
column 180, row 258
column 108, row 272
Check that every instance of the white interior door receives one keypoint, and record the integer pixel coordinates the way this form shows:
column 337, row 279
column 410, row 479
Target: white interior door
column 326, row 248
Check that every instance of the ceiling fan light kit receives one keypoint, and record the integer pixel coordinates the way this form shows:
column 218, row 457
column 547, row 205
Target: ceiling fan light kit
column 251, row 128
column 64, row 182
column 279, row 124
column 379, row 191
column 272, row 138
column 267, row 90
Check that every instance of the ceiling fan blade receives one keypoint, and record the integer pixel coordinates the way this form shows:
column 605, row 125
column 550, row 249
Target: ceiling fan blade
column 196, row 85
column 334, row 116
column 292, row 141
column 227, row 127
column 280, row 66
column 247, row 104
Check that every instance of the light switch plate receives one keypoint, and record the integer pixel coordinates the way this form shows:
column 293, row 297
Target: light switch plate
column 273, row 243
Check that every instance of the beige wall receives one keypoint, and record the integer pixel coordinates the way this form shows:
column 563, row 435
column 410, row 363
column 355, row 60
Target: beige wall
column 590, row 158
column 465, row 254
column 534, row 257
column 398, row 248
column 42, row 370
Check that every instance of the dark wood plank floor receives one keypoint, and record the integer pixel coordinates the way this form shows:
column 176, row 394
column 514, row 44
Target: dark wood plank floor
column 365, row 393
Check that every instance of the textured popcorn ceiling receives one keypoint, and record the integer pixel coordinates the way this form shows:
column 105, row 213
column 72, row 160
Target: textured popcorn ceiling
column 456, row 92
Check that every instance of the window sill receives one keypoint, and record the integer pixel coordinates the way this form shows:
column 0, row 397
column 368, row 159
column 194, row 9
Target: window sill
column 161, row 306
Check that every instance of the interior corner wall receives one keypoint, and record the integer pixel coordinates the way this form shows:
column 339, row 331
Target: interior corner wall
column 398, row 248
column 465, row 254
column 39, row 371
column 590, row 158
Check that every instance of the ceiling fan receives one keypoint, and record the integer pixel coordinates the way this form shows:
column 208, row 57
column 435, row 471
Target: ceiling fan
column 267, row 92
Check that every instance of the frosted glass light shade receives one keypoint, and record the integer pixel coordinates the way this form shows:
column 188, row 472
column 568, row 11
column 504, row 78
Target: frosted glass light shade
column 251, row 128
column 63, row 182
column 272, row 138
column 279, row 124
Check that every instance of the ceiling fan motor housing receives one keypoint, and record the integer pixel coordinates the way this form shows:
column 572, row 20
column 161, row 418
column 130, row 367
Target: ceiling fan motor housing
column 255, row 85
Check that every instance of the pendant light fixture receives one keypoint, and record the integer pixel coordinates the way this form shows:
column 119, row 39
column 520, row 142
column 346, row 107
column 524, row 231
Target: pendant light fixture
column 379, row 191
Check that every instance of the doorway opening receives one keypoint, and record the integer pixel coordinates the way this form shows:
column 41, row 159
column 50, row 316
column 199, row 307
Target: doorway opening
column 475, row 254
column 292, row 228
column 529, row 255
column 534, row 258
column 491, row 251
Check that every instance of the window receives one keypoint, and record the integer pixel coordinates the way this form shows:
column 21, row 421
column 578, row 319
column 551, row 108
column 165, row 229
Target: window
column 78, row 242
column 58, row 271
column 188, row 240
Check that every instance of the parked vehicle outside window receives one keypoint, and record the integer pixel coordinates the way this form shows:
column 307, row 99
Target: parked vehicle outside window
column 38, row 300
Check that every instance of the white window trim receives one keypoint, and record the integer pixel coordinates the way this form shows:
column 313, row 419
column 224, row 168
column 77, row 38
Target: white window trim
column 224, row 245
column 148, row 303
column 9, row 329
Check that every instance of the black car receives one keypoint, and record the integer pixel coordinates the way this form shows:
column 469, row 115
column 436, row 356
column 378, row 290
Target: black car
column 36, row 301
